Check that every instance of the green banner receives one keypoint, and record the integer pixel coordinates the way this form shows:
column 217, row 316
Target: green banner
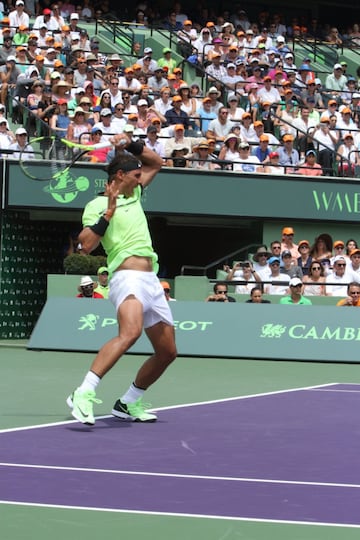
column 315, row 333
column 197, row 193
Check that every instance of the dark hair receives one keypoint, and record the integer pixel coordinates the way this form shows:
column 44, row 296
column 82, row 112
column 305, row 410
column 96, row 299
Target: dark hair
column 353, row 284
column 348, row 242
column 122, row 161
column 256, row 288
column 216, row 286
column 315, row 261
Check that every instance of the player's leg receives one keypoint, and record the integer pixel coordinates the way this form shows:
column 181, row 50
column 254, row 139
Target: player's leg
column 130, row 406
column 130, row 318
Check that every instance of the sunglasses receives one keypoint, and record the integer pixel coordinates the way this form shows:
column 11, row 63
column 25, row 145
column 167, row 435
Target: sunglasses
column 316, row 268
column 340, row 265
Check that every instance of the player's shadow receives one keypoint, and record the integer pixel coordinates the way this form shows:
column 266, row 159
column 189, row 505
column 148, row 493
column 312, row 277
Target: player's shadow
column 103, row 423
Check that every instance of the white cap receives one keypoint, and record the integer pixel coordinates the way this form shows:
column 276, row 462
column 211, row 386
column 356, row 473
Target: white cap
column 19, row 3
column 79, row 90
column 318, row 81
column 337, row 66
column 148, row 50
column 74, row 16
column 231, row 65
column 142, row 102
column 295, row 281
column 128, row 128
column 75, row 35
column 288, row 55
column 86, row 280
column 280, row 39
column 11, row 58
column 339, row 258
column 21, row 131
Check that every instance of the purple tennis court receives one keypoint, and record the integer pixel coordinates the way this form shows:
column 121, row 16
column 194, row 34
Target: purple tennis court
column 288, row 456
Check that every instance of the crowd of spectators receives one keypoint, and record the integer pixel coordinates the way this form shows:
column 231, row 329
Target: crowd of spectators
column 325, row 267
column 258, row 111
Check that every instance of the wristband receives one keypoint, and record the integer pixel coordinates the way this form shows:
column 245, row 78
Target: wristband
column 100, row 227
column 136, row 148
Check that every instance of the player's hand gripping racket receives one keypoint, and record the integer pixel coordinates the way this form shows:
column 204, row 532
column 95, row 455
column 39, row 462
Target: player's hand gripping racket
column 59, row 155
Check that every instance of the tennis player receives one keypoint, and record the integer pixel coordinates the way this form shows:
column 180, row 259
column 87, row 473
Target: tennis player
column 117, row 220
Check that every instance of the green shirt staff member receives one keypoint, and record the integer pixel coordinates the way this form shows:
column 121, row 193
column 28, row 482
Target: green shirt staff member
column 117, row 220
column 295, row 296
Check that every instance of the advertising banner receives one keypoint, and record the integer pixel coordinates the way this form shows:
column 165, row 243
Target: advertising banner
column 277, row 332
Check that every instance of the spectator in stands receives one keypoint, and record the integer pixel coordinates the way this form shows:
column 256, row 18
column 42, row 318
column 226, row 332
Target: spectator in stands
column 153, row 142
column 248, row 163
column 157, row 81
column 177, row 157
column 206, row 114
column 79, row 127
column 105, row 124
column 350, row 245
column 128, row 81
column 220, row 294
column 353, row 295
column 176, row 115
column 200, row 158
column 335, row 83
column 288, row 244
column 203, row 44
column 347, row 156
column 262, row 152
column 260, row 259
column 21, row 144
column 288, row 267
column 229, row 151
column 170, row 23
column 276, row 276
column 310, row 167
column 86, row 289
column 289, row 157
column 18, row 17
column 9, row 74
column 340, row 277
column 163, row 103
column 322, row 247
column 118, row 119
column 60, row 121
column 102, row 286
column 167, row 288
column 354, row 264
column 305, row 260
column 327, row 141
column 166, row 61
column 220, row 127
column 256, row 296
column 187, row 35
column 314, row 281
column 243, row 271
column 115, row 92
column 215, row 70
column 273, row 167
column 295, row 296
column 48, row 19
column 147, row 63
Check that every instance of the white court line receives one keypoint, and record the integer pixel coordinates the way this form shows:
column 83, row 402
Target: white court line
column 178, row 475
column 167, row 408
column 333, row 390
column 199, row 516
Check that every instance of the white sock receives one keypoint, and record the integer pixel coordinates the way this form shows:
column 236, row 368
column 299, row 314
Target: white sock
column 90, row 382
column 133, row 394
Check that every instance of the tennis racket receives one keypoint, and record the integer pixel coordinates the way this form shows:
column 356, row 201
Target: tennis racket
column 51, row 158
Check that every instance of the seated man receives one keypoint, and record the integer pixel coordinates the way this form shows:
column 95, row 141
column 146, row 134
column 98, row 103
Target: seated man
column 276, row 276
column 220, row 294
column 86, row 289
column 353, row 296
column 295, row 296
column 102, row 287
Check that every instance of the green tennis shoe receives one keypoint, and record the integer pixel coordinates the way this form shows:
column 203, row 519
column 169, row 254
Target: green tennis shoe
column 136, row 412
column 81, row 404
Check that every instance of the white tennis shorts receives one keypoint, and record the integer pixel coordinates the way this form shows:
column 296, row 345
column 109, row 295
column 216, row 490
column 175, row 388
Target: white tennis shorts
column 145, row 286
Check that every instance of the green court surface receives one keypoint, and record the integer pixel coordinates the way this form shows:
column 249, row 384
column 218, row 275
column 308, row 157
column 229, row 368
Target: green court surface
column 33, row 388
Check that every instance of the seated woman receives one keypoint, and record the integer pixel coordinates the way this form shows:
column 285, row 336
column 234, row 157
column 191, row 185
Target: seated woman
column 178, row 158
column 314, row 282
column 322, row 247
